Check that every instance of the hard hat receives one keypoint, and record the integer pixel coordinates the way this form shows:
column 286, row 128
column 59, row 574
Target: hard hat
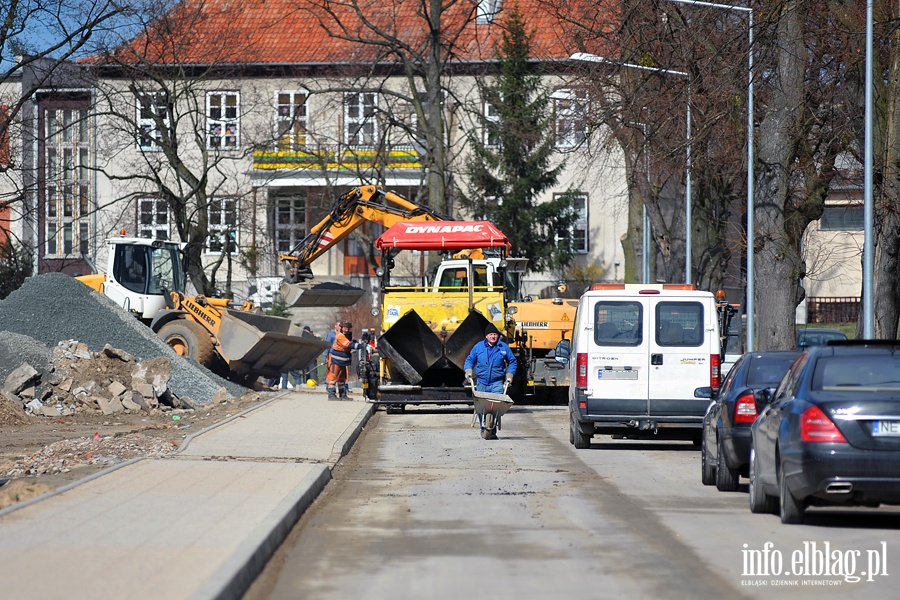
column 346, row 324
column 311, row 382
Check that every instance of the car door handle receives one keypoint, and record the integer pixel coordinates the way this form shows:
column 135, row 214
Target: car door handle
column 656, row 359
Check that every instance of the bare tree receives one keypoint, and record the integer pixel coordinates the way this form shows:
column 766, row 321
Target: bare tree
column 417, row 41
column 161, row 99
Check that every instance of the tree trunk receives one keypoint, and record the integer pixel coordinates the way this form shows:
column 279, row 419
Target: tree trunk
column 777, row 248
column 886, row 296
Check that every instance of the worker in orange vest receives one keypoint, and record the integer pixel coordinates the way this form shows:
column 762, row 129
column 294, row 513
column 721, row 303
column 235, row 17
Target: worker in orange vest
column 339, row 360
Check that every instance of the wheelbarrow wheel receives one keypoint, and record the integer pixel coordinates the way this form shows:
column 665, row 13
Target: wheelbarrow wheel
column 490, row 431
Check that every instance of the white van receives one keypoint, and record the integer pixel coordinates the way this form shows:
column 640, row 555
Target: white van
column 644, row 361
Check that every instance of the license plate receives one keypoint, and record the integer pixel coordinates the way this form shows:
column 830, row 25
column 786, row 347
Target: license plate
column 886, row 428
column 617, row 374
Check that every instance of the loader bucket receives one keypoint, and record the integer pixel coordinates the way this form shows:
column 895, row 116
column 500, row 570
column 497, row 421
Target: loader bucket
column 411, row 345
column 261, row 344
column 469, row 333
column 326, row 293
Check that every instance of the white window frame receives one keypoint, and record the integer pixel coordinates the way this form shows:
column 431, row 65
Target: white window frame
column 223, row 120
column 487, row 10
column 152, row 218
column 289, row 218
column 490, row 116
column 579, row 228
column 569, row 122
column 148, row 132
column 291, row 120
column 360, row 119
column 67, row 181
column 222, row 215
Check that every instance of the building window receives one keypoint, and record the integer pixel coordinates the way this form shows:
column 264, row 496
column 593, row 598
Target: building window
column 289, row 219
column 487, row 11
column 842, row 217
column 492, row 126
column 222, row 119
column 222, row 225
column 152, row 118
column 290, row 120
column 359, row 118
column 153, row 219
column 67, row 181
column 569, row 112
column 578, row 236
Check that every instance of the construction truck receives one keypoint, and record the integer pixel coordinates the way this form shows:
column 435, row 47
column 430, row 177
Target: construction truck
column 428, row 330
column 542, row 338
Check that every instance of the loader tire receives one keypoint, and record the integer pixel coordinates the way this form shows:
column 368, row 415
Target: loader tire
column 190, row 340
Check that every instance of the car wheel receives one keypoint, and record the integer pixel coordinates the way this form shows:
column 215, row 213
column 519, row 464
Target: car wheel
column 791, row 509
column 760, row 502
column 707, row 471
column 726, row 478
column 580, row 439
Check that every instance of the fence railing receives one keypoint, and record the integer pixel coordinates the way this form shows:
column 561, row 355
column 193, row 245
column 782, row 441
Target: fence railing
column 832, row 309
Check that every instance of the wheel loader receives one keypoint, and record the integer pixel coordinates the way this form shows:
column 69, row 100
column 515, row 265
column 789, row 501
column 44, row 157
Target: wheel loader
column 146, row 278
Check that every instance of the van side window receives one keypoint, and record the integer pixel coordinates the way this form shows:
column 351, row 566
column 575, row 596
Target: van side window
column 679, row 324
column 618, row 323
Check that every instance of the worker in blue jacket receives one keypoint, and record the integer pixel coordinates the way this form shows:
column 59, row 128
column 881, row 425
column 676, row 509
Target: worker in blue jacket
column 491, row 363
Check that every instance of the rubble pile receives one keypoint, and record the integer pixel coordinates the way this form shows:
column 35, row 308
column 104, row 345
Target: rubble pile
column 65, row 455
column 54, row 307
column 110, row 381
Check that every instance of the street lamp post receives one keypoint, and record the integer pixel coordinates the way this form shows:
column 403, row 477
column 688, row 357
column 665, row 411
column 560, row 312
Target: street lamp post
column 645, row 240
column 751, row 301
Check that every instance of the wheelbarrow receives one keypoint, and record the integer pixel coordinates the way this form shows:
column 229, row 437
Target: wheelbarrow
column 489, row 407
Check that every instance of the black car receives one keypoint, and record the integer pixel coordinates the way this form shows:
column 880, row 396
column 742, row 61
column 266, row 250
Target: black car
column 831, row 435
column 814, row 336
column 725, row 446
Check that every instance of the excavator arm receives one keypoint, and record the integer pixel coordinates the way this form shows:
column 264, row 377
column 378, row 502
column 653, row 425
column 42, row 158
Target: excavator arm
column 355, row 207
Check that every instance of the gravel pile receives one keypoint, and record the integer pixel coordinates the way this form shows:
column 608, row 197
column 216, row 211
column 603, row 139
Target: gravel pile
column 16, row 349
column 53, row 307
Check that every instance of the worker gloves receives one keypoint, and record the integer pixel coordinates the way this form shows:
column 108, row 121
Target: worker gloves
column 509, row 378
column 470, row 379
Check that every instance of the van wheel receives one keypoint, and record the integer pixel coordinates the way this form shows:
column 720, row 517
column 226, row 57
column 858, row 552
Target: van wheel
column 190, row 340
column 578, row 438
column 726, row 478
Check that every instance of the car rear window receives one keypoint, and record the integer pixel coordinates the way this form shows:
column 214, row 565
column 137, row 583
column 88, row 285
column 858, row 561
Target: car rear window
column 768, row 371
column 864, row 372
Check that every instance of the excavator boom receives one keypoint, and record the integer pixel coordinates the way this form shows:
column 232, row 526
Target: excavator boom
column 357, row 206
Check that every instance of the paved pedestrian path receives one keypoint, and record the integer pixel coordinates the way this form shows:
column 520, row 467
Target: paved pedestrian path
column 199, row 524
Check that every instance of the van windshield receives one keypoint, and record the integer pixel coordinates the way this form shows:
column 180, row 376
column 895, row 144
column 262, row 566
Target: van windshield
column 618, row 323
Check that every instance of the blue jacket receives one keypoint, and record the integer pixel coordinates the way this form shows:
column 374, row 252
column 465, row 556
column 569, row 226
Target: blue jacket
column 491, row 364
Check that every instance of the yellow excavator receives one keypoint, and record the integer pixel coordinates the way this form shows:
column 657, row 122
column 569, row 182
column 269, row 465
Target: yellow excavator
column 357, row 206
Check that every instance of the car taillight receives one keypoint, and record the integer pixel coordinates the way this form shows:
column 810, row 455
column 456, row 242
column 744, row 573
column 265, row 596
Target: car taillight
column 714, row 372
column 745, row 409
column 815, row 426
column 581, row 378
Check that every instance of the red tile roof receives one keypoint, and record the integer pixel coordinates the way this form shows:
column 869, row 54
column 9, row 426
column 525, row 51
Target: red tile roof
column 204, row 32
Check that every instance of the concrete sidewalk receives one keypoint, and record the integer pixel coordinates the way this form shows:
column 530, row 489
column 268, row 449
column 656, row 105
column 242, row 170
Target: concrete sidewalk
column 199, row 524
